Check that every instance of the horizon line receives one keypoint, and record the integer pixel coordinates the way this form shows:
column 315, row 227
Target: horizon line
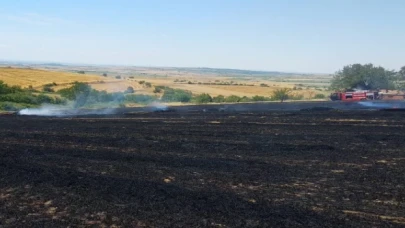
column 154, row 66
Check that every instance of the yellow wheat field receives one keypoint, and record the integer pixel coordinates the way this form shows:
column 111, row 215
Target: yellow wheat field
column 36, row 78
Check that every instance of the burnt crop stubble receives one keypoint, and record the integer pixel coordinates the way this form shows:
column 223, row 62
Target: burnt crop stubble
column 280, row 169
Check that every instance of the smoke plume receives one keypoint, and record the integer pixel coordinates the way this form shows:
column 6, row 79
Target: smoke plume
column 61, row 111
column 382, row 105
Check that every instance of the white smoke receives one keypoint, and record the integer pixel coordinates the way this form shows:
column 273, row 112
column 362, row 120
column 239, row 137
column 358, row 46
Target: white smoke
column 47, row 110
column 60, row 111
column 42, row 111
column 376, row 105
column 157, row 106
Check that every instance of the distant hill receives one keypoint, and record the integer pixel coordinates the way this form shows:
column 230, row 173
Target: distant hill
column 126, row 70
column 224, row 71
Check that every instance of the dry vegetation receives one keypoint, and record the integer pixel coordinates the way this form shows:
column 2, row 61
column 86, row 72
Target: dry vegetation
column 36, row 77
column 211, row 84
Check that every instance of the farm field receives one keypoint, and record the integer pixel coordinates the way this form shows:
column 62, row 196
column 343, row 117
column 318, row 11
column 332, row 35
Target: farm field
column 195, row 169
column 37, row 77
column 199, row 83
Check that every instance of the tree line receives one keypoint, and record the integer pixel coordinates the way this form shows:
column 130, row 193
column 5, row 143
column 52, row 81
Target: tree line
column 13, row 98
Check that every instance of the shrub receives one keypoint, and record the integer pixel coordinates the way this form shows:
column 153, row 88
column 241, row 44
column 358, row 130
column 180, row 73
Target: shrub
column 8, row 106
column 81, row 72
column 264, row 85
column 59, row 100
column 319, row 96
column 105, row 74
column 79, row 89
column 141, row 82
column 281, row 94
column 5, row 89
column 48, row 88
column 79, row 93
column 96, row 96
column 203, row 98
column 232, row 99
column 259, row 98
column 176, row 95
column 19, row 98
column 218, row 99
column 43, row 99
column 157, row 90
column 140, row 98
column 31, row 89
column 296, row 97
column 118, row 77
column 28, row 98
column 130, row 89
column 148, row 84
column 245, row 99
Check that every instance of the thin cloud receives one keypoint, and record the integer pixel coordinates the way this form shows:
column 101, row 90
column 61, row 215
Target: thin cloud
column 35, row 19
column 4, row 46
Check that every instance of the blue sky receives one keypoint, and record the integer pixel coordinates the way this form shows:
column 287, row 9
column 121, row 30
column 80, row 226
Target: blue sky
column 318, row 36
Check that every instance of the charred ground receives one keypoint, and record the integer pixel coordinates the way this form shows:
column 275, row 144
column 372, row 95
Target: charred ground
column 282, row 169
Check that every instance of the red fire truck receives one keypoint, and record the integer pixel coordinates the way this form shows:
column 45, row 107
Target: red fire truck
column 354, row 96
column 361, row 95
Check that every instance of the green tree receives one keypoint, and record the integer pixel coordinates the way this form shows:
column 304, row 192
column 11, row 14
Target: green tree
column 281, row 94
column 79, row 92
column 401, row 79
column 365, row 76
column 402, row 70
column 401, row 73
column 78, row 89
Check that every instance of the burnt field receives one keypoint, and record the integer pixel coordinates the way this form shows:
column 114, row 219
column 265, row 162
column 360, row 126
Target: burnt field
column 273, row 169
